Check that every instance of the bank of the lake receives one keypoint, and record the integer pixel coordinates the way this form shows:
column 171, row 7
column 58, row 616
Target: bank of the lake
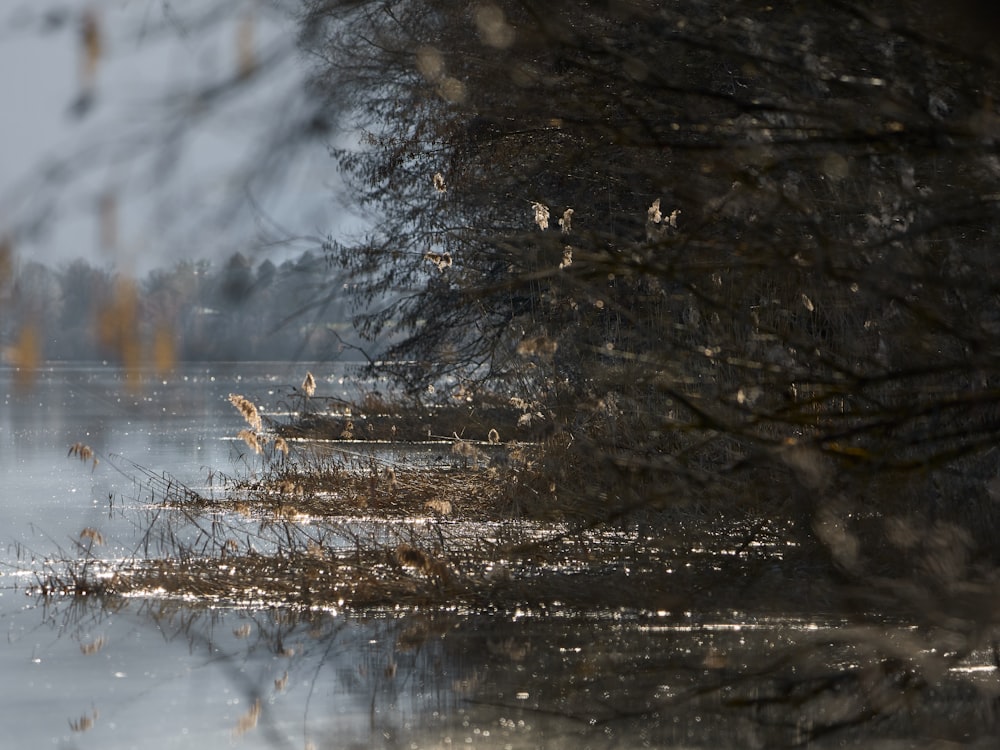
column 178, row 669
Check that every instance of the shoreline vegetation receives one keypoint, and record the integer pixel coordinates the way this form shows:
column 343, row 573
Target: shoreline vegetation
column 373, row 504
column 691, row 307
column 381, row 504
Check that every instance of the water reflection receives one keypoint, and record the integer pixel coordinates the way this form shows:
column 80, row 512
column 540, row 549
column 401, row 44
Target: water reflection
column 165, row 674
column 154, row 672
column 377, row 679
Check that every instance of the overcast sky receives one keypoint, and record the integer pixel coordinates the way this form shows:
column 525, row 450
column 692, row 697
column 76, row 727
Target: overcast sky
column 137, row 175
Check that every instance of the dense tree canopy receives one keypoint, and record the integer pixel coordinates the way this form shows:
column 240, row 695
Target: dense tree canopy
column 701, row 239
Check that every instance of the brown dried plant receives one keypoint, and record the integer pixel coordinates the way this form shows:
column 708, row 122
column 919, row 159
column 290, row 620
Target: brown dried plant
column 281, row 683
column 442, row 261
column 248, row 720
column 89, row 649
column 248, row 410
column 281, row 445
column 84, row 453
column 309, row 384
column 85, row 722
column 250, row 438
column 541, row 212
column 566, row 222
column 95, row 536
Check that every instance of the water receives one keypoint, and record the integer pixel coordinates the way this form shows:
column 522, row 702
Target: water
column 160, row 673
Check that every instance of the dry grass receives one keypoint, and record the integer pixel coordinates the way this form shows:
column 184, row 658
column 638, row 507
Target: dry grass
column 248, row 409
column 334, row 523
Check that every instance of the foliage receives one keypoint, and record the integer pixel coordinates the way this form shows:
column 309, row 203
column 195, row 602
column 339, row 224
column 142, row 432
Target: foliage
column 723, row 245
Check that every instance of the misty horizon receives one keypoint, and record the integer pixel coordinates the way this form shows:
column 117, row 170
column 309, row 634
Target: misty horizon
column 189, row 311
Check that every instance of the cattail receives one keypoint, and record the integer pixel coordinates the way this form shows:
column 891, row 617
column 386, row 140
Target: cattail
column 281, row 445
column 566, row 222
column 653, row 213
column 309, row 384
column 84, row 453
column 541, row 215
column 442, row 261
column 95, row 536
column 89, row 649
column 85, row 722
column 250, row 438
column 248, row 720
column 248, row 410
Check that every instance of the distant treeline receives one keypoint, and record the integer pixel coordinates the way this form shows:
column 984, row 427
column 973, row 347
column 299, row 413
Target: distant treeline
column 194, row 310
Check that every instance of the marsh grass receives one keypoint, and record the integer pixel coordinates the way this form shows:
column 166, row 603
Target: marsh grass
column 321, row 521
column 502, row 525
column 343, row 523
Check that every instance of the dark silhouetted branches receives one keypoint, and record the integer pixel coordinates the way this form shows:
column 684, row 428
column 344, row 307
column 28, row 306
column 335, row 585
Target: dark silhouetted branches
column 777, row 233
